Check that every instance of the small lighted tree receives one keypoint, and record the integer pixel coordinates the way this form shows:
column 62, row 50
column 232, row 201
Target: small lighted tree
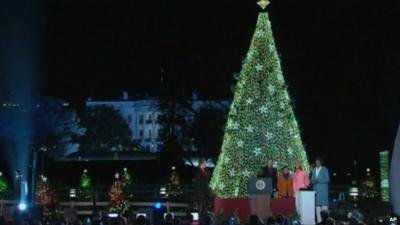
column 44, row 194
column 127, row 181
column 174, row 189
column 3, row 186
column 117, row 196
column 85, row 185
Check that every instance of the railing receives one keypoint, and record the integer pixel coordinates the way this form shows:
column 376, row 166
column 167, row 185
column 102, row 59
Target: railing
column 85, row 208
column 134, row 193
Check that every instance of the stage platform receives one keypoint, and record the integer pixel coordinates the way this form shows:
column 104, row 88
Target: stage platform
column 279, row 206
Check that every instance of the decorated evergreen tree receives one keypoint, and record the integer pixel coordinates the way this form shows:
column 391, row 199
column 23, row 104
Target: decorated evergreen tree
column 85, row 185
column 117, row 196
column 44, row 194
column 261, row 123
column 3, row 186
column 368, row 188
column 174, row 184
column 127, row 178
column 127, row 182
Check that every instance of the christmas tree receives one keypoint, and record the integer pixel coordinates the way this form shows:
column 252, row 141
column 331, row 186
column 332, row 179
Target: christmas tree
column 261, row 123
column 85, row 185
column 3, row 186
column 85, row 180
column 127, row 181
column 127, row 178
column 44, row 195
column 117, row 196
column 174, row 185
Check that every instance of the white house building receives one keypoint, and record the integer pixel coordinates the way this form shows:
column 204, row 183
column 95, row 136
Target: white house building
column 142, row 116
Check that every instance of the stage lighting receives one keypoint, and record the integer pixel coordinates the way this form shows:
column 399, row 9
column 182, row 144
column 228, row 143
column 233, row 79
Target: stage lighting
column 141, row 214
column 113, row 215
column 158, row 205
column 22, row 206
column 163, row 190
column 195, row 216
column 72, row 193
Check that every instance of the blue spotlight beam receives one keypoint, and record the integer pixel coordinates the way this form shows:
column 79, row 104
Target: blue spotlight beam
column 19, row 44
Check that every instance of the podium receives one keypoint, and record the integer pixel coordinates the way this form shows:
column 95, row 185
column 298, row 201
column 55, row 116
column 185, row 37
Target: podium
column 260, row 190
column 305, row 205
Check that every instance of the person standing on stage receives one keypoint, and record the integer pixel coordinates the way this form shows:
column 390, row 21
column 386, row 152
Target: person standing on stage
column 301, row 181
column 202, row 188
column 320, row 181
column 285, row 184
column 300, row 178
column 270, row 172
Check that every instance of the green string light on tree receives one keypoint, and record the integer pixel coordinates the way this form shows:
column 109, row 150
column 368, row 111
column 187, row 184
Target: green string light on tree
column 261, row 123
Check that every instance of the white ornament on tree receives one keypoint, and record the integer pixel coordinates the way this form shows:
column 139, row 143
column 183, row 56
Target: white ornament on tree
column 261, row 33
column 226, row 159
column 282, row 105
column 257, row 151
column 290, row 151
column 271, row 47
column 241, row 84
column 263, row 109
column 240, row 143
column 279, row 123
column 291, row 132
column 246, row 173
column 250, row 55
column 271, row 89
column 250, row 129
column 221, row 186
column 232, row 173
column 259, row 67
column 235, row 125
column 249, row 101
column 269, row 136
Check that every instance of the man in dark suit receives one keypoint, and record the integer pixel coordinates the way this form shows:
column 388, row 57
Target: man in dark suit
column 202, row 188
column 270, row 172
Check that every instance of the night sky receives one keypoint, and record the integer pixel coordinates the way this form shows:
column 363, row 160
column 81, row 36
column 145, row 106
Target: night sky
column 341, row 60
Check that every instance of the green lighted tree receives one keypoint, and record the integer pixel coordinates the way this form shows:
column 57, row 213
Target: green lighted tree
column 127, row 182
column 261, row 123
column 85, row 185
column 3, row 186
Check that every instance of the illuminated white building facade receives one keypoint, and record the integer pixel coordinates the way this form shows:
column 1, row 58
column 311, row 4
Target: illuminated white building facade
column 142, row 116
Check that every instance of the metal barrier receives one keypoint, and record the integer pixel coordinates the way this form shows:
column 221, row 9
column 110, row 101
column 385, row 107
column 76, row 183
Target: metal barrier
column 145, row 193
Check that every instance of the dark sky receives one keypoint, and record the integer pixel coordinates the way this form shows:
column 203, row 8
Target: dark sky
column 341, row 59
